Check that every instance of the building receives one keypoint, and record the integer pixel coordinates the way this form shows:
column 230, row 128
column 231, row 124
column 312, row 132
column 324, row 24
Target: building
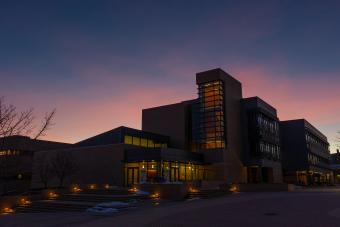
column 305, row 153
column 335, row 164
column 216, row 139
column 125, row 157
column 261, row 140
column 209, row 125
column 16, row 157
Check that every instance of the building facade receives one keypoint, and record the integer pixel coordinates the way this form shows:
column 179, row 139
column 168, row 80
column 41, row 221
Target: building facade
column 261, row 140
column 16, row 157
column 217, row 138
column 209, row 125
column 305, row 154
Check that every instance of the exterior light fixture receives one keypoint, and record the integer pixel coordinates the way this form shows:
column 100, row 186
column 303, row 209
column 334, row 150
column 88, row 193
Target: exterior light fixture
column 155, row 195
column 191, row 189
column 134, row 190
column 24, row 202
column 76, row 189
column 52, row 195
column 7, row 210
column 92, row 186
column 233, row 188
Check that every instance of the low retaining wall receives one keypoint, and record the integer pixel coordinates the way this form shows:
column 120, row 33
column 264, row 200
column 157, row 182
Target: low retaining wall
column 167, row 191
column 264, row 187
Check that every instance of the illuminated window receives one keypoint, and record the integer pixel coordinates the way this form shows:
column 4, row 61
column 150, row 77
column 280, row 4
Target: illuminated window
column 136, row 141
column 211, row 121
column 128, row 139
column 164, row 145
column 151, row 144
column 158, row 145
column 144, row 142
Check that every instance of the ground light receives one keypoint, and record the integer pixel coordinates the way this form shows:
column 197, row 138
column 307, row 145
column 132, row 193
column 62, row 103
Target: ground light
column 233, row 188
column 92, row 186
column 76, row 189
column 155, row 195
column 52, row 195
column 7, row 210
column 106, row 186
column 24, row 202
column 191, row 189
column 134, row 189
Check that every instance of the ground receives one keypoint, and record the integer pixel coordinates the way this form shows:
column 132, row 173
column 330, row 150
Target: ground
column 302, row 208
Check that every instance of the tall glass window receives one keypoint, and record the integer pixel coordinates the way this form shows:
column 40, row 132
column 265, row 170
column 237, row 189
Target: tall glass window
column 211, row 122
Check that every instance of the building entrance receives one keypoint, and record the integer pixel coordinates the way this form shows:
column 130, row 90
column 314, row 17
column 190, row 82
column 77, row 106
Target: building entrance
column 132, row 176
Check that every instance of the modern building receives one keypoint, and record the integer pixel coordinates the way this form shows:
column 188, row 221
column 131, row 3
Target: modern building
column 335, row 164
column 16, row 157
column 305, row 153
column 125, row 157
column 216, row 139
column 261, row 141
column 209, row 125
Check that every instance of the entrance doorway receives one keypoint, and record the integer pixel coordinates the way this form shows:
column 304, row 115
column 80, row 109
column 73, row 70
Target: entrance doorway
column 174, row 174
column 132, row 176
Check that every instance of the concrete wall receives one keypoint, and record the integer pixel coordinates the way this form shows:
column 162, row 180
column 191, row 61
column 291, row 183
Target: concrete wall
column 94, row 165
column 233, row 166
column 230, row 168
column 170, row 120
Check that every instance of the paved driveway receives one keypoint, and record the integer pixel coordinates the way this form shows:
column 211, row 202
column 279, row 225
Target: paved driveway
column 304, row 208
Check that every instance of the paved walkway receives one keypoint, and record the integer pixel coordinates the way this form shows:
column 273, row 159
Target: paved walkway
column 302, row 208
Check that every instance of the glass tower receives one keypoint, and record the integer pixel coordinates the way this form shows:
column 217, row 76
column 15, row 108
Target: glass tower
column 209, row 125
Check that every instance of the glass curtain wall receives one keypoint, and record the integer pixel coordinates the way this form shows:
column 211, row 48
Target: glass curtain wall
column 211, row 123
column 161, row 172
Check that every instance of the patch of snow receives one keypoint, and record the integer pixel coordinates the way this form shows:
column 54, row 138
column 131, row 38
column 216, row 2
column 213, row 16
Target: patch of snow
column 102, row 211
column 139, row 192
column 114, row 204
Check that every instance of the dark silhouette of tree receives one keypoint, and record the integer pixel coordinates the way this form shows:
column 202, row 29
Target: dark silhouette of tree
column 17, row 123
column 63, row 165
column 44, row 169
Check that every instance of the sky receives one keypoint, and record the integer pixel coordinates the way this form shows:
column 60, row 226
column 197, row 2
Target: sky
column 99, row 63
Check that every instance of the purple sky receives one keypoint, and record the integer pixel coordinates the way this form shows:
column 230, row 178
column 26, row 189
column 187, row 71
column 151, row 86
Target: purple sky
column 100, row 62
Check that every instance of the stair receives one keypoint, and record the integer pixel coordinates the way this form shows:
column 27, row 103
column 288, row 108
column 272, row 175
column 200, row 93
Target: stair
column 206, row 193
column 75, row 202
column 98, row 198
column 53, row 206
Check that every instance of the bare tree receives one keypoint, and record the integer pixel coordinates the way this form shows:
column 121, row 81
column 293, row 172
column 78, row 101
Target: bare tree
column 337, row 139
column 63, row 165
column 44, row 168
column 15, row 122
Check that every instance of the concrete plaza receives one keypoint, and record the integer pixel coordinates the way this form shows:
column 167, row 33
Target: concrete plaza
column 312, row 207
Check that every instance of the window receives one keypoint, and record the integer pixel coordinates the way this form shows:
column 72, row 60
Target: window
column 144, row 142
column 128, row 139
column 211, row 121
column 136, row 141
column 151, row 144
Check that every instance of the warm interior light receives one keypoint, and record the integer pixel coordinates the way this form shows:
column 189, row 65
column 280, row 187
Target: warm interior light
column 106, row 186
